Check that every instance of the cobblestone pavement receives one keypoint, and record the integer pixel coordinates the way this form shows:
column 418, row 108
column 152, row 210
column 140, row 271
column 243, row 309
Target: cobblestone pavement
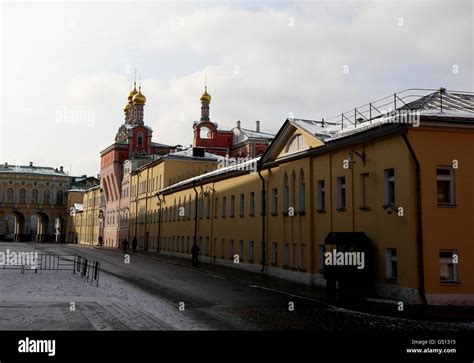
column 148, row 294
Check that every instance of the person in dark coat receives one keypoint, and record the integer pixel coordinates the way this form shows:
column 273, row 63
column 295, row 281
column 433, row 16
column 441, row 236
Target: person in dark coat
column 134, row 244
column 125, row 245
column 195, row 255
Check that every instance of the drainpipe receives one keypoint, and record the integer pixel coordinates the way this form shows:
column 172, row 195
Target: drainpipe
column 421, row 269
column 195, row 214
column 160, row 202
column 264, row 212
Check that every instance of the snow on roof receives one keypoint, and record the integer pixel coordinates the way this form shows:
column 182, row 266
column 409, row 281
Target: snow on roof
column 78, row 207
column 252, row 134
column 316, row 128
column 188, row 153
column 248, row 165
column 43, row 170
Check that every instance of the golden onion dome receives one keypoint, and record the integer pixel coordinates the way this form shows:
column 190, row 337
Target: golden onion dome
column 206, row 97
column 139, row 98
column 126, row 107
column 132, row 93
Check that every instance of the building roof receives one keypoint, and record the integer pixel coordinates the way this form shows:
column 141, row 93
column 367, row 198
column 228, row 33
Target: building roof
column 41, row 170
column 237, row 168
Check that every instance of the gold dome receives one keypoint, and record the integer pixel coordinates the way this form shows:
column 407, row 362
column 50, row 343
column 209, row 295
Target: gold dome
column 139, row 98
column 206, row 97
column 132, row 93
column 126, row 107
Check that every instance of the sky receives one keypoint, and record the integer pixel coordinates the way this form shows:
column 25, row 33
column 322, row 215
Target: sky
column 66, row 67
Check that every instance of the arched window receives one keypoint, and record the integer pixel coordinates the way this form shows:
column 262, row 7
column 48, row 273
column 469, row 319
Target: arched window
column 285, row 194
column 296, row 143
column 22, row 196
column 205, row 133
column 47, row 197
column 59, row 197
column 34, row 196
column 292, row 190
column 10, row 195
column 302, row 192
column 139, row 139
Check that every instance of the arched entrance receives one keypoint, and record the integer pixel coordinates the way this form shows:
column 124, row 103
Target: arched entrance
column 39, row 227
column 14, row 227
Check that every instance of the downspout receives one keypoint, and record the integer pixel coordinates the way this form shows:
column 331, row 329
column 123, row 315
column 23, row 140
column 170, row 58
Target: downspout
column 136, row 205
column 195, row 214
column 264, row 212
column 160, row 202
column 421, row 269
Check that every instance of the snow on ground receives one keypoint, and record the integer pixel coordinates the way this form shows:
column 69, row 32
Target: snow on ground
column 64, row 286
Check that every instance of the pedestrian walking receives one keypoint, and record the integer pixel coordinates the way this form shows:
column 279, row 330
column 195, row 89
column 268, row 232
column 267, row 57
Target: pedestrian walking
column 195, row 255
column 134, row 244
column 125, row 245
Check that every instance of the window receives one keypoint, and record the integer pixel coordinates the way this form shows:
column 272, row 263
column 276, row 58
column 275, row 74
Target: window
column 296, row 143
column 223, row 248
column 286, row 254
column 241, row 250
column 341, row 193
column 224, row 206
column 391, row 263
column 274, row 253
column 232, row 206
column 389, row 178
column 251, row 250
column 59, row 197
column 34, row 196
column 242, row 205
column 252, row 204
column 302, row 192
column 302, row 249
column 10, row 195
column 363, row 190
column 206, row 251
column 208, row 211
column 201, row 208
column 322, row 257
column 22, row 196
column 321, row 196
column 274, row 201
column 47, row 197
column 231, row 249
column 216, row 206
column 445, row 185
column 139, row 139
column 448, row 263
column 286, row 194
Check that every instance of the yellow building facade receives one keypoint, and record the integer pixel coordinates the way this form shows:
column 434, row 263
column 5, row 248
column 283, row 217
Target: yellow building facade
column 85, row 220
column 406, row 188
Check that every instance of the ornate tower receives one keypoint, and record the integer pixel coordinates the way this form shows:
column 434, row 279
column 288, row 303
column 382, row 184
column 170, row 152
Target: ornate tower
column 138, row 102
column 205, row 101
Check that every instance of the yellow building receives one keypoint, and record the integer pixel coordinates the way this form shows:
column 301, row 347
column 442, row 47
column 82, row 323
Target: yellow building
column 85, row 220
column 400, row 186
column 147, row 180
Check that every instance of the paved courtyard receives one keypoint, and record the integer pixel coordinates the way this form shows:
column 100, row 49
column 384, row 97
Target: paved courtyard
column 147, row 294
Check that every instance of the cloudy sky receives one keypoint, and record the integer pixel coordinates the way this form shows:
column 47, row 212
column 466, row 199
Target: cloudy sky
column 66, row 68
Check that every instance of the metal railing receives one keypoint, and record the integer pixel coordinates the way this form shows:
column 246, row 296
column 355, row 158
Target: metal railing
column 440, row 99
column 86, row 268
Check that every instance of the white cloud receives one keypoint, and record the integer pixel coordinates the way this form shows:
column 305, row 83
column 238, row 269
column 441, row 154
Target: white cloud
column 74, row 56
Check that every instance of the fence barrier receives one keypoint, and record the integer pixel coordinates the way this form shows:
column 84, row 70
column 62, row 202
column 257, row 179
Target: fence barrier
column 85, row 268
